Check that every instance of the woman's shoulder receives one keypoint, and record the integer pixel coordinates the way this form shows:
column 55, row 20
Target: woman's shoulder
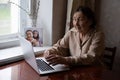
column 69, row 33
column 72, row 30
column 98, row 32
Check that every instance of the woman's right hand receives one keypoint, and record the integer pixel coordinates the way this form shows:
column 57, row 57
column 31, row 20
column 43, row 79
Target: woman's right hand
column 54, row 59
column 46, row 53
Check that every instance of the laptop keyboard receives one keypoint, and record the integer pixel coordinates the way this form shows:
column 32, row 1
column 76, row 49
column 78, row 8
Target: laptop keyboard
column 43, row 66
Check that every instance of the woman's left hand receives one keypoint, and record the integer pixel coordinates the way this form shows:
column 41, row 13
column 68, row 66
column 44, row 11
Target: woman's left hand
column 54, row 59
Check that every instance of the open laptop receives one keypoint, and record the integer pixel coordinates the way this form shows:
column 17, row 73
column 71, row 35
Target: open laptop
column 40, row 65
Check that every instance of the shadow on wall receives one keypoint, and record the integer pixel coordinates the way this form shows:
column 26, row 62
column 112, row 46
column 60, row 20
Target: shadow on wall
column 107, row 13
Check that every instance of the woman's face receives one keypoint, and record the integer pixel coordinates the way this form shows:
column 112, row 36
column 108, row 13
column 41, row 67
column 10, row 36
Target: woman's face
column 35, row 34
column 29, row 34
column 80, row 22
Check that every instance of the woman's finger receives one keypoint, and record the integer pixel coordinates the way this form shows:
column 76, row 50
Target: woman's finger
column 51, row 58
column 46, row 54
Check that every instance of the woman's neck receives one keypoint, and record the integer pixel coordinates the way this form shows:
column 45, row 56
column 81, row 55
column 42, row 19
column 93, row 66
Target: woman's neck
column 83, row 33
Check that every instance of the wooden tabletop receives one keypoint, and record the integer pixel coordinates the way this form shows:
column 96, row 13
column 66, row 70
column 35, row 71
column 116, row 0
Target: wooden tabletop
column 22, row 71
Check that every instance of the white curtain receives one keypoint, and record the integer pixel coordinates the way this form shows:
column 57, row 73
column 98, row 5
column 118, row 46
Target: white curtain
column 69, row 8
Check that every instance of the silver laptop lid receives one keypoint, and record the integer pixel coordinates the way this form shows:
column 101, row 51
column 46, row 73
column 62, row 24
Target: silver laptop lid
column 28, row 53
column 31, row 60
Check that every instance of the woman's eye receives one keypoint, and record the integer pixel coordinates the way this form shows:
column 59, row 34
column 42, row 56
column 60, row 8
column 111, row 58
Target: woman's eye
column 82, row 19
column 74, row 19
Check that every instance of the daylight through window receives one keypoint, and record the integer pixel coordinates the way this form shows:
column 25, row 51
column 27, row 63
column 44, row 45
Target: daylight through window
column 9, row 17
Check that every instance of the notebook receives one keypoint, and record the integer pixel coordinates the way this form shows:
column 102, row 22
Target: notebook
column 40, row 65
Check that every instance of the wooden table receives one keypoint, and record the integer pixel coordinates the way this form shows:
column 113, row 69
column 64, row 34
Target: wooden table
column 22, row 71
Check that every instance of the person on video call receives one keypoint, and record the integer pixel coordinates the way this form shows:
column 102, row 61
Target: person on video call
column 37, row 37
column 29, row 37
column 83, row 44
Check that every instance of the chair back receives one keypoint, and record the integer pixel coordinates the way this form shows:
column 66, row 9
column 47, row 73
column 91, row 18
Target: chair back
column 108, row 56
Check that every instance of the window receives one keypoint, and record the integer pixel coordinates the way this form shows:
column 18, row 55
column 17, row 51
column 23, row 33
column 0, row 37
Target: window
column 9, row 17
column 12, row 20
column 18, row 20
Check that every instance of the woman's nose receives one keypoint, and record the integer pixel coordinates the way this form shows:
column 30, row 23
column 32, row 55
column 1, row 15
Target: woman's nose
column 77, row 23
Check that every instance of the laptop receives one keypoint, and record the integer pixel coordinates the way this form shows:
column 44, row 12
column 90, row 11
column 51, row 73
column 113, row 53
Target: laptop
column 40, row 65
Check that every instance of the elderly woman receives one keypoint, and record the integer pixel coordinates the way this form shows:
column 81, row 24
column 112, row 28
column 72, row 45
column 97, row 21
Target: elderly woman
column 81, row 45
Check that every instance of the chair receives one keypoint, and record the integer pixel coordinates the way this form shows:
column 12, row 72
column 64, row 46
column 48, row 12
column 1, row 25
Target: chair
column 108, row 57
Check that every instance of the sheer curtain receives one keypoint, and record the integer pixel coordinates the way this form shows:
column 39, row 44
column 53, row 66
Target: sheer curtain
column 75, row 5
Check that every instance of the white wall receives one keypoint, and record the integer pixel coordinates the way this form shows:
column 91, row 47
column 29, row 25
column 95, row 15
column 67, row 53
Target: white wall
column 45, row 20
column 52, row 18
